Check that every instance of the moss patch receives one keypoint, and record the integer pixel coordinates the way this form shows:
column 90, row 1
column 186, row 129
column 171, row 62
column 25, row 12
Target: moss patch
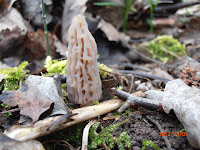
column 13, row 76
column 166, row 47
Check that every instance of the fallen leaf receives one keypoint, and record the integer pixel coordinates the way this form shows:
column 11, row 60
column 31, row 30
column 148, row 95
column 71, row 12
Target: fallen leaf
column 3, row 7
column 37, row 96
column 71, row 9
column 112, row 33
column 29, row 99
column 11, row 20
column 107, row 92
column 10, row 41
column 51, row 88
column 161, row 73
column 32, row 10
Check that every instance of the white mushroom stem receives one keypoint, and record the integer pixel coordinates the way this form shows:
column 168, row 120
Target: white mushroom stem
column 39, row 128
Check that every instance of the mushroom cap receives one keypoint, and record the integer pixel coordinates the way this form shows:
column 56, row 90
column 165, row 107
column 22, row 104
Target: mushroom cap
column 83, row 79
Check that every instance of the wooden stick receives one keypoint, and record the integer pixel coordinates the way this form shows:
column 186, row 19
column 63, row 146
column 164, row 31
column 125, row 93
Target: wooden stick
column 39, row 128
column 134, row 100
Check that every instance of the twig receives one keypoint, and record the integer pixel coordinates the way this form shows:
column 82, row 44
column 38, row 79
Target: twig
column 127, row 75
column 132, row 80
column 176, row 6
column 66, row 143
column 171, row 53
column 161, row 130
column 134, row 100
column 85, row 135
column 39, row 128
column 133, row 66
column 10, row 111
column 145, row 75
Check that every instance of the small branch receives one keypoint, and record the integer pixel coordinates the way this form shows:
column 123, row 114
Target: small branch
column 39, row 128
column 132, row 66
column 161, row 130
column 134, row 100
column 126, row 75
column 145, row 75
column 171, row 53
column 175, row 6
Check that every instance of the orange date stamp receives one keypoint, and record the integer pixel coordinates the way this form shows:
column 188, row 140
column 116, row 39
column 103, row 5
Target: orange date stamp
column 173, row 133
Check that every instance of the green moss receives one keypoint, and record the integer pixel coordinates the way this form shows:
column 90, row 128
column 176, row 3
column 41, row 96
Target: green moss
column 105, row 137
column 55, row 66
column 166, row 47
column 6, row 107
column 73, row 134
column 148, row 143
column 13, row 76
column 126, row 112
column 102, row 67
column 59, row 66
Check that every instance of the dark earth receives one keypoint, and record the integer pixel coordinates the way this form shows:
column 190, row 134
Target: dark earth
column 139, row 127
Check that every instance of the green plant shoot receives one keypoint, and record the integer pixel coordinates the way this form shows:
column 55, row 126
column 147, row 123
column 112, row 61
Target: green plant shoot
column 148, row 143
column 152, row 7
column 106, row 137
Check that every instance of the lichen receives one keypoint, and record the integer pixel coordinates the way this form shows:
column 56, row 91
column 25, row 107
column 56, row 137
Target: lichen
column 13, row 76
column 166, row 47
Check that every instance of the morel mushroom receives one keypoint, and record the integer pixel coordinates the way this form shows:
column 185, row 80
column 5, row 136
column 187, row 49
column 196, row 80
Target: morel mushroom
column 83, row 79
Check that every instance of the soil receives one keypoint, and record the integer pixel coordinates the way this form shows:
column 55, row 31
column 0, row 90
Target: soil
column 139, row 127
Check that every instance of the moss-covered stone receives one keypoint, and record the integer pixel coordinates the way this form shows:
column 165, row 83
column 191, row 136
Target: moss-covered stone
column 166, row 47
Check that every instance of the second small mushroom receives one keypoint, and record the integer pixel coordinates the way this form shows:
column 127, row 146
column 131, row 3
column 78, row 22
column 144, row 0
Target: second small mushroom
column 83, row 79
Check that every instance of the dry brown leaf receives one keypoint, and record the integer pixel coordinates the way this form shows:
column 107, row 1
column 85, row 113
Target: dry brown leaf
column 30, row 100
column 71, row 9
column 12, row 19
column 3, row 7
column 37, row 96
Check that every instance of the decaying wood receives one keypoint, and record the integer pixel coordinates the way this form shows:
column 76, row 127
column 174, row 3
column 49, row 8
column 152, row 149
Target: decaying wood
column 39, row 128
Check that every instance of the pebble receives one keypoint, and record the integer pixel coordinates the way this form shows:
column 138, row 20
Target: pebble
column 136, row 148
